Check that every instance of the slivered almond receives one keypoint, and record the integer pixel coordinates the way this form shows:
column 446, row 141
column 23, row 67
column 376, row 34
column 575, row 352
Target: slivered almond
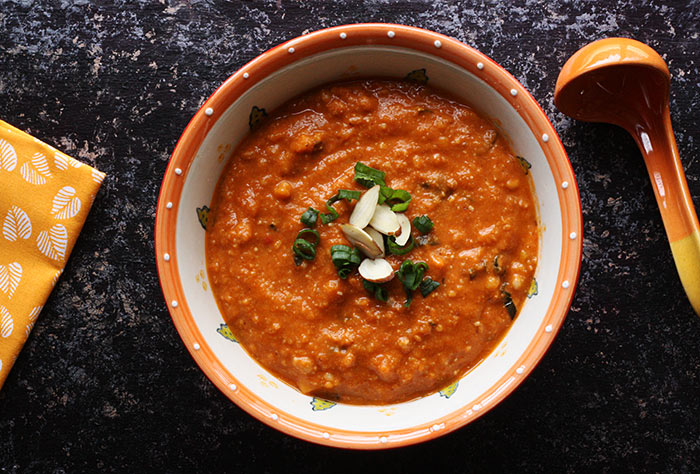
column 377, row 237
column 405, row 229
column 384, row 220
column 362, row 240
column 376, row 271
column 364, row 209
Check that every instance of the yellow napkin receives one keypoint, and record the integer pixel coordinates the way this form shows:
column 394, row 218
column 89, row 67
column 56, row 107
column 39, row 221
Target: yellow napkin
column 45, row 197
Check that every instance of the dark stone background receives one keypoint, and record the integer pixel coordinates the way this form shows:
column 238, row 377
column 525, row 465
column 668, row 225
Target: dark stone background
column 105, row 384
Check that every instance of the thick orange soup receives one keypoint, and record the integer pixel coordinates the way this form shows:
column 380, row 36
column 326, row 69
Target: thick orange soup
column 369, row 242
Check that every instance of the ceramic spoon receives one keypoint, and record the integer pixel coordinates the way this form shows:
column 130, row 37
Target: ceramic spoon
column 626, row 83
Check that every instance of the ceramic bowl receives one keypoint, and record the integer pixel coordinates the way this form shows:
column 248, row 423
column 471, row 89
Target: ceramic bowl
column 347, row 52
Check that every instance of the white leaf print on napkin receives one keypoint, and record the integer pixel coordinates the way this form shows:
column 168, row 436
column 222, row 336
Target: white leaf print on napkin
column 8, row 156
column 65, row 203
column 36, row 171
column 16, row 225
column 62, row 161
column 7, row 325
column 54, row 242
column 10, row 276
column 32, row 319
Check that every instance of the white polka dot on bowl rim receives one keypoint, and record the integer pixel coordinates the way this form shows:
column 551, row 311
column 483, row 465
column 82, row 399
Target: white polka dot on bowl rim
column 564, row 184
column 209, row 112
column 476, row 407
column 545, row 137
column 383, row 440
column 326, row 435
column 290, row 50
column 169, row 205
column 480, row 66
column 391, row 34
column 513, row 92
column 572, row 235
column 343, row 35
column 274, row 417
column 232, row 386
column 520, row 370
column 565, row 284
column 196, row 346
column 166, row 257
column 178, row 171
column 548, row 328
column 438, row 44
column 173, row 303
column 435, row 427
column 246, row 75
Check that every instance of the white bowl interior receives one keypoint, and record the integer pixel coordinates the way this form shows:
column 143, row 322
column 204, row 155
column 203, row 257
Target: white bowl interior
column 229, row 129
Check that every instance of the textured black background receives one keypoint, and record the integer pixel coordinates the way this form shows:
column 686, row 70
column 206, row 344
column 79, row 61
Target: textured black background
column 105, row 384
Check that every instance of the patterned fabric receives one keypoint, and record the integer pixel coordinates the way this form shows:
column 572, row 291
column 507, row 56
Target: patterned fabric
column 45, row 197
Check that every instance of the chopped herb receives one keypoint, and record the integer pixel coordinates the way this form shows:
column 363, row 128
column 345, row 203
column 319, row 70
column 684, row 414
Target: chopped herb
column 345, row 259
column 427, row 286
column 303, row 232
column 524, row 163
column 411, row 274
column 508, row 302
column 397, row 249
column 385, row 193
column 342, row 194
column 377, row 290
column 367, row 176
column 391, row 196
column 403, row 198
column 497, row 267
column 348, row 194
column 309, row 217
column 303, row 249
column 423, row 224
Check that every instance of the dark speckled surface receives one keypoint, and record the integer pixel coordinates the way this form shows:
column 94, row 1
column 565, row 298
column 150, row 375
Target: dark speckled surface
column 104, row 383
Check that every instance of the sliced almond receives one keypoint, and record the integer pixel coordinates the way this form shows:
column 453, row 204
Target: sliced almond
column 405, row 229
column 376, row 271
column 384, row 220
column 362, row 240
column 377, row 237
column 364, row 209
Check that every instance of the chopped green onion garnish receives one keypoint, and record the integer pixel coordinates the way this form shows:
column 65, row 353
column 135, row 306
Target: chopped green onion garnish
column 377, row 290
column 411, row 275
column 348, row 194
column 345, row 259
column 342, row 194
column 367, row 176
column 309, row 217
column 303, row 249
column 386, row 194
column 423, row 224
column 427, row 286
column 316, row 240
column 403, row 198
column 397, row 249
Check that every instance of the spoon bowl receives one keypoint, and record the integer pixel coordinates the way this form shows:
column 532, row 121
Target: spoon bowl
column 626, row 83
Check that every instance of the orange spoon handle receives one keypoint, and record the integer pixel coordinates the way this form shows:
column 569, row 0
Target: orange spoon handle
column 658, row 145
